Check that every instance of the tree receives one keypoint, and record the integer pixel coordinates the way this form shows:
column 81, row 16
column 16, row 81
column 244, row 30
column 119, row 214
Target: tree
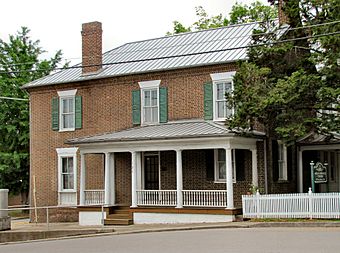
column 240, row 13
column 292, row 88
column 20, row 63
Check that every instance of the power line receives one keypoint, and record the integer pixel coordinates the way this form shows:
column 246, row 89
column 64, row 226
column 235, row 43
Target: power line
column 285, row 29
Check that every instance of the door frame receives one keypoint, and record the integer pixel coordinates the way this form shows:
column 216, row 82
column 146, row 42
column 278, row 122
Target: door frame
column 146, row 154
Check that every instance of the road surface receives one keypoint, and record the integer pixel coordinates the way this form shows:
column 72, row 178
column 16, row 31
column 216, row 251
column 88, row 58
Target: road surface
column 259, row 240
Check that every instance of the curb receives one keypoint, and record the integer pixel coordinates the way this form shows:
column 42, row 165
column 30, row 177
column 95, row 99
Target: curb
column 78, row 233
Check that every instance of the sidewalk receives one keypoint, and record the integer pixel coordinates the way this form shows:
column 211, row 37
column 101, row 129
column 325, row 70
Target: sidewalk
column 22, row 230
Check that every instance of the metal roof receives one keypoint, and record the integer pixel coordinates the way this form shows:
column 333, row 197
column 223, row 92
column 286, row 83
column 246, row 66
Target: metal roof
column 171, row 130
column 322, row 139
column 207, row 47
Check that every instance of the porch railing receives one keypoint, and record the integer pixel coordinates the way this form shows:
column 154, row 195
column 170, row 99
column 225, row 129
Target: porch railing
column 94, row 197
column 296, row 205
column 204, row 198
column 156, row 198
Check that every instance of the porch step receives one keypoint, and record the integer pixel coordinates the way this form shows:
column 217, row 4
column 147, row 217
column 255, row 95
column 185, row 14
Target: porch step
column 118, row 222
column 119, row 215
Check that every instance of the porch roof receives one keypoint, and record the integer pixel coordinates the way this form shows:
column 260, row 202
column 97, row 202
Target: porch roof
column 171, row 130
column 319, row 139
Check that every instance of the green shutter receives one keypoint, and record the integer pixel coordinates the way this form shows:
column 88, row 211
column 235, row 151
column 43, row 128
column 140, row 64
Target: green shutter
column 78, row 112
column 208, row 101
column 163, row 105
column 136, row 107
column 55, row 114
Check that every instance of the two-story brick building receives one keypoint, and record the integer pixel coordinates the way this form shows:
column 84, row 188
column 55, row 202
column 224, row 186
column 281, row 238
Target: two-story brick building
column 142, row 127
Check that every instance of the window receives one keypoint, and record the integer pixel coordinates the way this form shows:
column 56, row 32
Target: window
column 67, row 111
column 222, row 84
column 220, row 165
column 282, row 161
column 67, row 173
column 150, row 101
column 67, row 176
column 222, row 110
column 150, row 106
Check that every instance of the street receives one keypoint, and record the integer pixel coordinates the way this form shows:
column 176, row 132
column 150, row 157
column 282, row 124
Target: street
column 259, row 240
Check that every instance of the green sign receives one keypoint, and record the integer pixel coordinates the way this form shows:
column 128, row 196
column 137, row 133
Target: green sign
column 320, row 173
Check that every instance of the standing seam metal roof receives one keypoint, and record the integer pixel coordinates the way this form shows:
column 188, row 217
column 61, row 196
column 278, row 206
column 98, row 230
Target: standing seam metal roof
column 207, row 47
column 171, row 130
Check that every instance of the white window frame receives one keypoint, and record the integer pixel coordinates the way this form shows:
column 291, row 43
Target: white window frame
column 220, row 78
column 216, row 163
column 282, row 161
column 149, row 86
column 67, row 153
column 63, row 95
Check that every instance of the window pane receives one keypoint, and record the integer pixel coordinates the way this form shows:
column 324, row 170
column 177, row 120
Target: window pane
column 147, row 98
column 221, row 106
column 220, row 91
column 65, row 105
column 221, row 170
column 67, row 165
column 68, row 182
column 221, row 155
column 155, row 114
column 154, row 98
column 147, row 114
column 227, row 87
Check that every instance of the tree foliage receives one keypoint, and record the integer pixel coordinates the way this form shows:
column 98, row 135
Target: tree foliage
column 20, row 63
column 240, row 13
column 293, row 88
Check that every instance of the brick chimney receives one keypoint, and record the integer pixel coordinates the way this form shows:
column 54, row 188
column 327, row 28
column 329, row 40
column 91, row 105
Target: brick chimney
column 283, row 19
column 91, row 47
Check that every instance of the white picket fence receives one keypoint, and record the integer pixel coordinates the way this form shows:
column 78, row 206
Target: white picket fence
column 296, row 205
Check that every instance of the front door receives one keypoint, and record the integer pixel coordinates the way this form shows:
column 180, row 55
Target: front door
column 151, row 172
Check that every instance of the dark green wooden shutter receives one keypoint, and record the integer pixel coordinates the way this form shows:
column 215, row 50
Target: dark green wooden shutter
column 208, row 101
column 210, row 164
column 55, row 113
column 275, row 162
column 136, row 107
column 78, row 112
column 163, row 104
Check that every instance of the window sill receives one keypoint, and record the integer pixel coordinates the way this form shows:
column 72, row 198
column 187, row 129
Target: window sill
column 67, row 130
column 67, row 191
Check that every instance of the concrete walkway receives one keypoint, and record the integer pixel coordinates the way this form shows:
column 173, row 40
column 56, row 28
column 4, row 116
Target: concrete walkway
column 22, row 230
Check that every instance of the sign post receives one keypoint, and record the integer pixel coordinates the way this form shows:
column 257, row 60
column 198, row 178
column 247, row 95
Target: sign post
column 312, row 175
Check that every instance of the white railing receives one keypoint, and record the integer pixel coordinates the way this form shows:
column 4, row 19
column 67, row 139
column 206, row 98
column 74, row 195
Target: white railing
column 296, row 205
column 157, row 198
column 204, row 198
column 94, row 197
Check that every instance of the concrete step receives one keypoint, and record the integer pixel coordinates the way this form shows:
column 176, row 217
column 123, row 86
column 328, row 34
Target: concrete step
column 118, row 222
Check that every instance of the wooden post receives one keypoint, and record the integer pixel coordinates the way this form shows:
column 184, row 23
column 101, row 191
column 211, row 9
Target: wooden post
column 35, row 201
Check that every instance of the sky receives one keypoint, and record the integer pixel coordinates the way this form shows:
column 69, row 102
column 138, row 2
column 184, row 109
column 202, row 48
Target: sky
column 57, row 24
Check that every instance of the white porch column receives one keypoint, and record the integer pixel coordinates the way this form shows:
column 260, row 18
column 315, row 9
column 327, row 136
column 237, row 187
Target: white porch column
column 107, row 180
column 179, row 178
column 229, row 178
column 133, row 179
column 112, row 179
column 300, row 172
column 82, row 180
column 255, row 179
column 139, row 171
